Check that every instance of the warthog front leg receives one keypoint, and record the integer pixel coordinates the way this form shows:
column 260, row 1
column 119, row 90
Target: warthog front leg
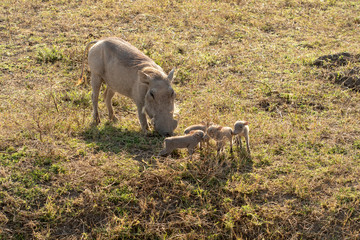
column 190, row 151
column 167, row 149
column 239, row 141
column 95, row 84
column 219, row 147
column 247, row 143
column 108, row 95
column 231, row 145
column 142, row 119
column 164, row 152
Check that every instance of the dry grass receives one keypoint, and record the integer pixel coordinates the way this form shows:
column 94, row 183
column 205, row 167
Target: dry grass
column 60, row 178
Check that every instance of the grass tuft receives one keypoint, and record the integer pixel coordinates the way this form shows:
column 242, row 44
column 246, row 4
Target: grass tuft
column 49, row 55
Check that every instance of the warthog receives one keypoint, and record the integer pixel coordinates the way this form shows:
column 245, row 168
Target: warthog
column 241, row 129
column 220, row 134
column 189, row 141
column 203, row 127
column 126, row 70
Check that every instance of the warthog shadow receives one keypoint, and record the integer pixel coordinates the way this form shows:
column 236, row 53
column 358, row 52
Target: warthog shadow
column 116, row 140
column 146, row 148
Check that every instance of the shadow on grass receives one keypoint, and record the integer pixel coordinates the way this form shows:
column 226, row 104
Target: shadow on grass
column 109, row 138
column 172, row 187
column 245, row 160
column 144, row 148
column 239, row 160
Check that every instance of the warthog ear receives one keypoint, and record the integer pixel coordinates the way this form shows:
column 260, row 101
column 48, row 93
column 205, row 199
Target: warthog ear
column 144, row 78
column 171, row 75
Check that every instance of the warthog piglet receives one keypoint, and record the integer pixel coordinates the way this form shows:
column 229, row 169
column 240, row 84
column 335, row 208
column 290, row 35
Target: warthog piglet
column 189, row 141
column 241, row 129
column 220, row 134
column 203, row 127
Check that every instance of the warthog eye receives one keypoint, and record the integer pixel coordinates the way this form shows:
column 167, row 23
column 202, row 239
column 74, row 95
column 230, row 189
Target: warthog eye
column 152, row 94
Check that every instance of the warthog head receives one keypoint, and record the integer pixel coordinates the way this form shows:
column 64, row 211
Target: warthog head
column 159, row 100
column 239, row 126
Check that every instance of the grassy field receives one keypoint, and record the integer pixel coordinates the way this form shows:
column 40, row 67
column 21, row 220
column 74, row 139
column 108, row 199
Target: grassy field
column 62, row 178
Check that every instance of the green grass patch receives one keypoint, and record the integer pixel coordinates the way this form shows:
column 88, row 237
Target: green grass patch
column 49, row 55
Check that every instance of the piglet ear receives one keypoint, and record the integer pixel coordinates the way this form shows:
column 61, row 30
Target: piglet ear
column 246, row 123
column 171, row 75
column 143, row 77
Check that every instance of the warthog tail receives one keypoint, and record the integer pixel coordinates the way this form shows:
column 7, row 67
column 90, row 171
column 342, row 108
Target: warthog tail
column 80, row 80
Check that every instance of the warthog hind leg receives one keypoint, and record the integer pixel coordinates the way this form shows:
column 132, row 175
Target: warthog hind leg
column 108, row 95
column 96, row 84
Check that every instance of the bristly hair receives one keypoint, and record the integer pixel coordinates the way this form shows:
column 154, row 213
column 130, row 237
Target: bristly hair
column 153, row 72
column 131, row 56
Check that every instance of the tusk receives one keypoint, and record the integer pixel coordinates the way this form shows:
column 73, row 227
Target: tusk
column 176, row 112
column 152, row 122
column 176, row 109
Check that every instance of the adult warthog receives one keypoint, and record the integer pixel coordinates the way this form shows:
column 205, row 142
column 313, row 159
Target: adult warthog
column 128, row 71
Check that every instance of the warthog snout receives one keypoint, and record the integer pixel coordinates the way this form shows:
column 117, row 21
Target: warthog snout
column 165, row 127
